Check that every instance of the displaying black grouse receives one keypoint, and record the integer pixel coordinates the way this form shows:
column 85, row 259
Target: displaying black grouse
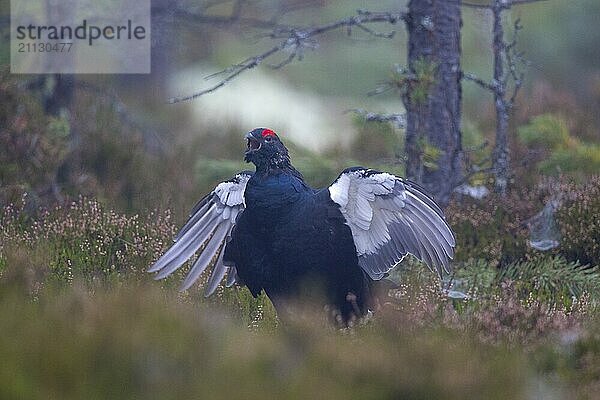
column 269, row 230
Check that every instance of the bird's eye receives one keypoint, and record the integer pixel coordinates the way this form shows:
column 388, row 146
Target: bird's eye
column 268, row 139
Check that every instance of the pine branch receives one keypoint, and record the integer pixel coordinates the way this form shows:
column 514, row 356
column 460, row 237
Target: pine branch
column 553, row 279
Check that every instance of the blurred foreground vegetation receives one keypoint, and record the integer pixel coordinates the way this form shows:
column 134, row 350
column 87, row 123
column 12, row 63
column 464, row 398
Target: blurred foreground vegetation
column 80, row 318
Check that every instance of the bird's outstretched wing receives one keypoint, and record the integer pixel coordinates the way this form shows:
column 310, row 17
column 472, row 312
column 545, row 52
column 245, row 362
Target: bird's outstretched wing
column 207, row 231
column 390, row 217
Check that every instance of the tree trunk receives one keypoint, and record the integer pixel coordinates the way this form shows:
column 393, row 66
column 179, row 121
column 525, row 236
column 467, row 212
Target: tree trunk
column 433, row 96
column 500, row 158
column 58, row 100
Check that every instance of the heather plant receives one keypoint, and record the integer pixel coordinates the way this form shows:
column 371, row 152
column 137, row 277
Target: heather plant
column 417, row 300
column 497, row 309
column 497, row 229
column 80, row 268
column 97, row 150
column 494, row 229
column 510, row 318
column 579, row 221
column 85, row 241
column 126, row 164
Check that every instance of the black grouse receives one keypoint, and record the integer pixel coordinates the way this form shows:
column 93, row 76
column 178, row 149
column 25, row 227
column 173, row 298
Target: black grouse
column 270, row 231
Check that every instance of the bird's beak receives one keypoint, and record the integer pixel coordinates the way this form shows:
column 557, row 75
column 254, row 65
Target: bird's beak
column 253, row 144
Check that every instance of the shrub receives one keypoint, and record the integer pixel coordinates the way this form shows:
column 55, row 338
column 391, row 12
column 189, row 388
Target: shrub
column 506, row 317
column 561, row 152
column 32, row 145
column 494, row 229
column 548, row 279
column 579, row 221
column 552, row 280
column 85, row 241
column 546, row 130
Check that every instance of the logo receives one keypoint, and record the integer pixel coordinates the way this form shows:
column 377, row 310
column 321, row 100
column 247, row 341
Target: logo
column 80, row 36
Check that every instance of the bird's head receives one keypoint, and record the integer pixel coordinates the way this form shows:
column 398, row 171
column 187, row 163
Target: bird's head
column 265, row 150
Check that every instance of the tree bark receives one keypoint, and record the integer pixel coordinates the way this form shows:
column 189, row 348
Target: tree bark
column 500, row 157
column 59, row 98
column 433, row 103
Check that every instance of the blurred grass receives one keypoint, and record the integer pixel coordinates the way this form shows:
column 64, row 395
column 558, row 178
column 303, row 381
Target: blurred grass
column 138, row 342
column 80, row 318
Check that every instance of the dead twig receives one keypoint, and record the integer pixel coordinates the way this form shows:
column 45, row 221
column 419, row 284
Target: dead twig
column 296, row 41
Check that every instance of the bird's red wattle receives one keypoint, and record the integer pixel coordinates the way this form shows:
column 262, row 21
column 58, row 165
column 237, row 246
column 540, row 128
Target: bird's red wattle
column 267, row 132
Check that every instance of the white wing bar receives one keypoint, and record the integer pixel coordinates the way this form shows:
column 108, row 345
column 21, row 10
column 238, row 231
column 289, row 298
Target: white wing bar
column 207, row 232
column 389, row 218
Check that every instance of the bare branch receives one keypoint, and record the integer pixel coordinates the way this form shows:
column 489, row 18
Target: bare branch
column 399, row 120
column 513, row 58
column 508, row 76
column 518, row 2
column 362, row 17
column 491, row 86
column 362, row 27
column 503, row 5
column 247, row 64
column 295, row 40
column 475, row 5
column 286, row 61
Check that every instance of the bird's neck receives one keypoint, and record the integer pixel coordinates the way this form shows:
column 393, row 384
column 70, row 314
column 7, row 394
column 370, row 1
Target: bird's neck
column 271, row 191
column 276, row 167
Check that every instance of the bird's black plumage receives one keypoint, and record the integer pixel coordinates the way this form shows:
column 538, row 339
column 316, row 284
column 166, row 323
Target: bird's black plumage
column 272, row 232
